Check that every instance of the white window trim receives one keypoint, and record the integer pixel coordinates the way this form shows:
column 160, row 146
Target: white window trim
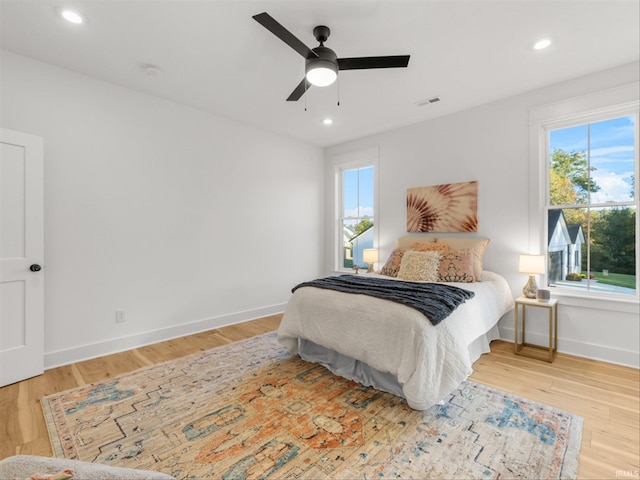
column 348, row 161
column 587, row 108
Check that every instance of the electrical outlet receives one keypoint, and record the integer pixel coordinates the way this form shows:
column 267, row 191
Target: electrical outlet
column 121, row 315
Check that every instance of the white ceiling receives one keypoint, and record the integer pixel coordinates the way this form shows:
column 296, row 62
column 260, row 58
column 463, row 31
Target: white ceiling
column 215, row 57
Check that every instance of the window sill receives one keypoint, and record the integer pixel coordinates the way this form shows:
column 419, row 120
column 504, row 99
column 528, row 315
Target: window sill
column 348, row 272
column 597, row 301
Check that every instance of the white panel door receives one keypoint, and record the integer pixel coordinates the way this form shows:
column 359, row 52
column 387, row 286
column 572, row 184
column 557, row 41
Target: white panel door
column 21, row 257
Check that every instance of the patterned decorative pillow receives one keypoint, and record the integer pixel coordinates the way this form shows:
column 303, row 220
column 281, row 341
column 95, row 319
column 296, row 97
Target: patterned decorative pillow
column 419, row 266
column 476, row 245
column 456, row 266
column 429, row 246
column 392, row 266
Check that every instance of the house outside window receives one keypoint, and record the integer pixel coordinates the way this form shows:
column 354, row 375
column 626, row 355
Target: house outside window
column 591, row 206
column 355, row 181
column 587, row 154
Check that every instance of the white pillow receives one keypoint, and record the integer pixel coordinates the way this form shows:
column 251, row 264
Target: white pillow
column 419, row 266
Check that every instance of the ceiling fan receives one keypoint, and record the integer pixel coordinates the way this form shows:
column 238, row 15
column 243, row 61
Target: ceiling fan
column 322, row 63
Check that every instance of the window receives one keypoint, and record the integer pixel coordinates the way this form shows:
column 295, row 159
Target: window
column 591, row 214
column 588, row 171
column 356, row 221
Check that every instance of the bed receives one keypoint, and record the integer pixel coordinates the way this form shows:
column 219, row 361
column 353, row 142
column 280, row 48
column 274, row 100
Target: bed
column 391, row 346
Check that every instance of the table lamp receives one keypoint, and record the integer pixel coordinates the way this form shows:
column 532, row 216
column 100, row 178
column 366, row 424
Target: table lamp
column 370, row 256
column 533, row 265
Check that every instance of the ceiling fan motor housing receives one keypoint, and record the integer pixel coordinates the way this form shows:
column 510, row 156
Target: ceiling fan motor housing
column 326, row 59
column 325, row 56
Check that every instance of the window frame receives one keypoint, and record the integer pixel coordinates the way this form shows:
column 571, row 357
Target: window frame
column 602, row 105
column 348, row 161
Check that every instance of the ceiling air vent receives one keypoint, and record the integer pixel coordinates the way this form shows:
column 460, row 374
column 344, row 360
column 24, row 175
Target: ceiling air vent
column 428, row 101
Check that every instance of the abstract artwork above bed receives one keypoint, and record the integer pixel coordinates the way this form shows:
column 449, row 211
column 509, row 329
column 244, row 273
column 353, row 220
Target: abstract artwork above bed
column 451, row 207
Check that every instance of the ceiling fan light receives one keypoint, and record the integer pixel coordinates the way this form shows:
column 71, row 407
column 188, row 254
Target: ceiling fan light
column 322, row 73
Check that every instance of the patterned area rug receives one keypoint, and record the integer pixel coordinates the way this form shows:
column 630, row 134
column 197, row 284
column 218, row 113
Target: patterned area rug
column 250, row 410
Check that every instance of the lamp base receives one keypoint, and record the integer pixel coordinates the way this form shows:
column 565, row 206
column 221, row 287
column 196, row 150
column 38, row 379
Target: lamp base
column 530, row 290
column 370, row 269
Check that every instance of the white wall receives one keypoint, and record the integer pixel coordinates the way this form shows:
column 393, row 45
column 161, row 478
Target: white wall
column 152, row 207
column 489, row 144
column 185, row 219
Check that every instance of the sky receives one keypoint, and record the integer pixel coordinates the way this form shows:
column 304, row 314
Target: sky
column 611, row 147
column 359, row 185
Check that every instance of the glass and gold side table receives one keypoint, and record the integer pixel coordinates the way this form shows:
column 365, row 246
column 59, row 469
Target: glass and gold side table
column 552, row 306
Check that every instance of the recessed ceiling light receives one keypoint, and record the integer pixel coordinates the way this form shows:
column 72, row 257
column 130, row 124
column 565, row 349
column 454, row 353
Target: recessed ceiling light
column 71, row 16
column 327, row 121
column 542, row 44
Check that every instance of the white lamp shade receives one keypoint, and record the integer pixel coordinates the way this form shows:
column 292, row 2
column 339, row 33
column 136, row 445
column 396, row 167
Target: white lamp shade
column 370, row 255
column 531, row 264
column 322, row 76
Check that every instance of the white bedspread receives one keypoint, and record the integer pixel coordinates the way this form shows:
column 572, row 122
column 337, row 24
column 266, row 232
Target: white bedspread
column 428, row 361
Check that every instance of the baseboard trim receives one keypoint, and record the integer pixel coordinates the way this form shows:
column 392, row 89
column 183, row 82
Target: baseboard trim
column 86, row 352
column 115, row 345
column 616, row 356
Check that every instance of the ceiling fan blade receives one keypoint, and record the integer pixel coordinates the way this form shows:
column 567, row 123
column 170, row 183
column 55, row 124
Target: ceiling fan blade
column 268, row 22
column 302, row 87
column 359, row 63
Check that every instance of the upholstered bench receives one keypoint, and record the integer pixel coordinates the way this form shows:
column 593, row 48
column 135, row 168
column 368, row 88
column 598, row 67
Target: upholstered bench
column 23, row 466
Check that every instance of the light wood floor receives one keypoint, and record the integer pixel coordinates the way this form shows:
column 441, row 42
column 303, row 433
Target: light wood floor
column 606, row 396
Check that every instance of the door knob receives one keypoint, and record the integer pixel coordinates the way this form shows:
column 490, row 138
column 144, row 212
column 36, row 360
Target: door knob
column 35, row 267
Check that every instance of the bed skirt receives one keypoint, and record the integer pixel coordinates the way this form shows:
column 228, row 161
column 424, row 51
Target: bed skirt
column 361, row 372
